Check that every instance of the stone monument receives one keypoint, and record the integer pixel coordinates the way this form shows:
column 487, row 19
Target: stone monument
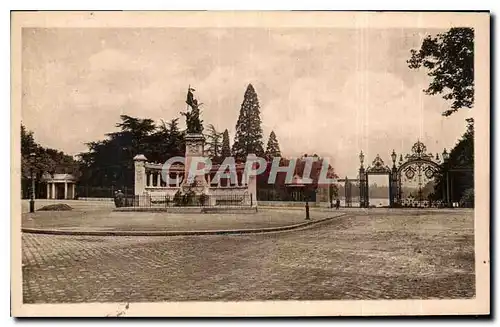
column 195, row 142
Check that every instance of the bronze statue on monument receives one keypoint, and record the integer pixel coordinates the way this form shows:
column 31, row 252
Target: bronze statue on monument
column 194, row 125
column 195, row 142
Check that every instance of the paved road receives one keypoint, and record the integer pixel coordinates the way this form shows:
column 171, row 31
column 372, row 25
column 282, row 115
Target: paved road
column 358, row 257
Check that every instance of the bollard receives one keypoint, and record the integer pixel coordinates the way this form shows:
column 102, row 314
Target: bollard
column 307, row 210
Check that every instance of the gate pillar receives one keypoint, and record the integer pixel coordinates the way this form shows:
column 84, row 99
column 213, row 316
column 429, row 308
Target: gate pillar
column 363, row 189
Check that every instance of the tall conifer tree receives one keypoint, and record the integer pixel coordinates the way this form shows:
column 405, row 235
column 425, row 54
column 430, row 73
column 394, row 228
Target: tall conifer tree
column 273, row 147
column 226, row 148
column 248, row 137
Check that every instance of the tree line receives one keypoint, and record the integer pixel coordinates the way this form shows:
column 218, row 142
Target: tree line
column 109, row 162
column 447, row 57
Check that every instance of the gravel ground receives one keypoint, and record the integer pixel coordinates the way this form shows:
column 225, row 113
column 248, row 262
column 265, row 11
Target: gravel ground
column 107, row 220
column 383, row 255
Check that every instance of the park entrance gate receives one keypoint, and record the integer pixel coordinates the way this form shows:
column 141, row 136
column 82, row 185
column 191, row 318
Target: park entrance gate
column 351, row 191
column 418, row 166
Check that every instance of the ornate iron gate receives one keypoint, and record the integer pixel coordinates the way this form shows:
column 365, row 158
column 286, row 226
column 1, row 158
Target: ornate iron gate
column 418, row 166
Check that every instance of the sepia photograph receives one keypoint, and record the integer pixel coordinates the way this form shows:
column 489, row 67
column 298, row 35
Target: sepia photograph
column 250, row 163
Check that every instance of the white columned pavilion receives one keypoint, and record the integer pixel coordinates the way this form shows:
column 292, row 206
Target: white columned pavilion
column 60, row 186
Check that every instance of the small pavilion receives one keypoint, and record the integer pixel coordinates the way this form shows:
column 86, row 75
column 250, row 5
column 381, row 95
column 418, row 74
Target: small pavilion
column 60, row 186
column 296, row 189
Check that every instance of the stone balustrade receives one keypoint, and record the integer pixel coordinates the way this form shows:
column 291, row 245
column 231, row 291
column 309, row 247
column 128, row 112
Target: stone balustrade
column 149, row 180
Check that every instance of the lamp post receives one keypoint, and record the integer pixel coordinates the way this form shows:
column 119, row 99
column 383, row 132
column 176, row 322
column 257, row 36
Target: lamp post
column 446, row 156
column 32, row 175
column 393, row 180
column 307, row 193
column 362, row 184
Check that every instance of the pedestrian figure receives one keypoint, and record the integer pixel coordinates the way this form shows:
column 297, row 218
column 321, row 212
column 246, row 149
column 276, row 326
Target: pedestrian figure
column 119, row 198
column 337, row 204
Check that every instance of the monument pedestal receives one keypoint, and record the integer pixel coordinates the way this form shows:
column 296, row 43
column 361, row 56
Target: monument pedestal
column 194, row 149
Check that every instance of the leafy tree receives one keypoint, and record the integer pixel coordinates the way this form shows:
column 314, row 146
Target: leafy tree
column 27, row 141
column 273, row 148
column 138, row 128
column 461, row 156
column 226, row 148
column 174, row 144
column 449, row 58
column 213, row 143
column 248, row 137
column 45, row 160
column 109, row 162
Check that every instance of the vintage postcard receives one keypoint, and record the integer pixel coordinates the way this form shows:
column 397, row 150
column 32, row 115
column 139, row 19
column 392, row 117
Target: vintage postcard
column 250, row 163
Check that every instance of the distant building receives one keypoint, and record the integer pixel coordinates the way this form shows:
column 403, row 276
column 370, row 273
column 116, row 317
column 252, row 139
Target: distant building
column 60, row 186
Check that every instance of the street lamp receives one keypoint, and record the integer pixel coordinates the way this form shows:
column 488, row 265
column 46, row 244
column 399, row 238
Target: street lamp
column 393, row 180
column 308, row 194
column 32, row 157
column 446, row 156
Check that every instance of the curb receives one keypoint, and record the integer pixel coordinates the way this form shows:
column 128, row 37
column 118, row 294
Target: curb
column 176, row 233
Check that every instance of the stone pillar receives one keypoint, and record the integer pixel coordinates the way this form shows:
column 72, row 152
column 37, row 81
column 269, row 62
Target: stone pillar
column 48, row 190
column 209, row 180
column 322, row 194
column 65, row 190
column 140, row 174
column 158, row 179
column 394, row 188
column 53, row 195
column 252, row 180
column 177, row 180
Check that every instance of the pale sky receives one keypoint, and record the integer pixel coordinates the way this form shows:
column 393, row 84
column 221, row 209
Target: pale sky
column 328, row 91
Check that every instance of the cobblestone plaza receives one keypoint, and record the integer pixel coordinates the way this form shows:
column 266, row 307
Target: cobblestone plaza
column 381, row 255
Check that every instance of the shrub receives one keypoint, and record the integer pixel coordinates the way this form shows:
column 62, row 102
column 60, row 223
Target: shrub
column 56, row 207
column 178, row 199
column 189, row 198
column 467, row 200
column 203, row 199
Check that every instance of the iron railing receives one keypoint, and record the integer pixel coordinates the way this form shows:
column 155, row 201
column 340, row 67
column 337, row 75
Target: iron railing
column 186, row 200
column 272, row 194
column 83, row 191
